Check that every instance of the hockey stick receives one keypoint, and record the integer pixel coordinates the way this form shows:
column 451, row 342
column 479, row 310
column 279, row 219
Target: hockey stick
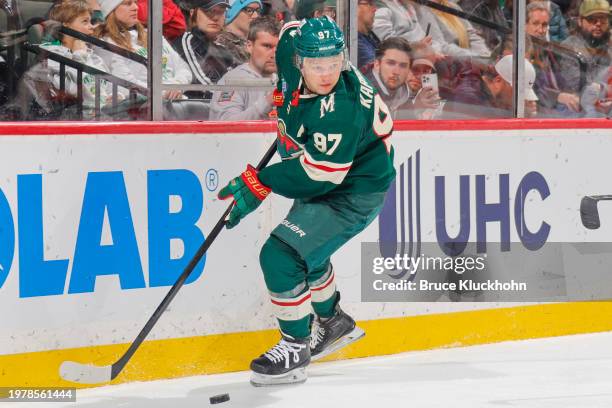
column 588, row 210
column 93, row 374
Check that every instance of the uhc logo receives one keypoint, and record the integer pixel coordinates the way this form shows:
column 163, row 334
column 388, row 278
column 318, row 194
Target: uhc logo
column 409, row 214
column 472, row 206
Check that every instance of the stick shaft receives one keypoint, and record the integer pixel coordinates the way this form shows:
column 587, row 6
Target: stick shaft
column 118, row 366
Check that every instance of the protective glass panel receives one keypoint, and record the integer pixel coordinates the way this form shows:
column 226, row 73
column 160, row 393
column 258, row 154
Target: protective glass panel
column 63, row 61
column 569, row 48
column 437, row 59
column 227, row 57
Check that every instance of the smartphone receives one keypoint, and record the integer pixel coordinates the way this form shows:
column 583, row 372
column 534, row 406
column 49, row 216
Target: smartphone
column 430, row 81
column 427, row 30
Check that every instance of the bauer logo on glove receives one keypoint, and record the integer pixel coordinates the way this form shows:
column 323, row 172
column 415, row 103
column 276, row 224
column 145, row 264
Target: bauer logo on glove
column 248, row 193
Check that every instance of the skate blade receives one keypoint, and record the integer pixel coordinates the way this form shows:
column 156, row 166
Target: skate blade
column 295, row 376
column 343, row 341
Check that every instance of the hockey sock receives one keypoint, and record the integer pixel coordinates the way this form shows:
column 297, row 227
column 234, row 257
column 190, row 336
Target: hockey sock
column 285, row 276
column 296, row 328
column 325, row 309
column 323, row 289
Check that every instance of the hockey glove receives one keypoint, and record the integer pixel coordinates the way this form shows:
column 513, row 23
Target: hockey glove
column 248, row 193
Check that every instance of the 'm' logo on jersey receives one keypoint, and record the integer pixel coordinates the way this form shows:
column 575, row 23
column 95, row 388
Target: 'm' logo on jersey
column 328, row 104
column 284, row 140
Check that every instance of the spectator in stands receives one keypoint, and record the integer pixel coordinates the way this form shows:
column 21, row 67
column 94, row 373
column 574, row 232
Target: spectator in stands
column 122, row 28
column 208, row 60
column 308, row 8
column 246, row 104
column 456, row 36
column 572, row 15
column 537, row 18
column 329, row 9
column 172, row 18
column 592, row 40
column 489, row 10
column 420, row 66
column 76, row 15
column 368, row 42
column 237, row 22
column 96, row 13
column 400, row 18
column 390, row 73
column 557, row 28
column 548, row 84
column 596, row 99
column 488, row 94
column 281, row 10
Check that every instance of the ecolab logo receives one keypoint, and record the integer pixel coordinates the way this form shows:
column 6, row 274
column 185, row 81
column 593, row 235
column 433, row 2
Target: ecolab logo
column 105, row 197
column 400, row 228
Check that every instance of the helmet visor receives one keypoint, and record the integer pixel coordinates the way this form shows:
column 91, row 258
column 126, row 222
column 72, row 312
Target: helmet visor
column 324, row 65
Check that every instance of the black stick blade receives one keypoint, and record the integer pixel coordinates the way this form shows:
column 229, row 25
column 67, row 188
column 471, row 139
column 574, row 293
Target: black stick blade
column 589, row 213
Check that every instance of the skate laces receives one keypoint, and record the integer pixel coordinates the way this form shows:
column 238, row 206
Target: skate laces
column 318, row 336
column 281, row 352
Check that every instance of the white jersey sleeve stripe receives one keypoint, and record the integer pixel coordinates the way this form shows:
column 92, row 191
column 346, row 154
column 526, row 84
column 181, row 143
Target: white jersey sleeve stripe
column 287, row 26
column 326, row 165
column 316, row 173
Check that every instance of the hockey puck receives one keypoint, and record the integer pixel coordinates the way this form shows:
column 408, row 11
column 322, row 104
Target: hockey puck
column 217, row 399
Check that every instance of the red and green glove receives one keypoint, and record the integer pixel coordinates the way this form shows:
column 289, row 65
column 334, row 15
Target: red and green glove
column 248, row 193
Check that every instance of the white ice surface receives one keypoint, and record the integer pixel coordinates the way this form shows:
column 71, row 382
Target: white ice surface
column 562, row 372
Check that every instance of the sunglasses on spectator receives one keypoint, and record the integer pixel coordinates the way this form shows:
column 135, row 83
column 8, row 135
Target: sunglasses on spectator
column 214, row 12
column 597, row 19
column 252, row 10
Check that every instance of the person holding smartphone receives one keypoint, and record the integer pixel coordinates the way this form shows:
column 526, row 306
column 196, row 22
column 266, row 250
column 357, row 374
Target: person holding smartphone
column 423, row 81
column 596, row 98
column 391, row 75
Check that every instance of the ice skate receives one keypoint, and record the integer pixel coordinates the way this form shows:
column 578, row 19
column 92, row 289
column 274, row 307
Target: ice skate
column 284, row 363
column 329, row 335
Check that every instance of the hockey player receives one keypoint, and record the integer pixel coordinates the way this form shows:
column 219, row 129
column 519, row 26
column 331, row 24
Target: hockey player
column 337, row 163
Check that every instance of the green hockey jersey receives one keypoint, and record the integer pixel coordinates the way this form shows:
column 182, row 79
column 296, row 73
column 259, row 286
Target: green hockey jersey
column 335, row 143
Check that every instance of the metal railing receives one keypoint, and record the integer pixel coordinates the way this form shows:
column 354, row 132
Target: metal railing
column 98, row 75
column 104, row 45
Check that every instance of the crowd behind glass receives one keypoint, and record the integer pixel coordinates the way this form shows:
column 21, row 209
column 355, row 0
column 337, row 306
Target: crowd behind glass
column 431, row 59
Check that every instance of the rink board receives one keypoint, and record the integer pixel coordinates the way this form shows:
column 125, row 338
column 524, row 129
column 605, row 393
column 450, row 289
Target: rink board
column 97, row 221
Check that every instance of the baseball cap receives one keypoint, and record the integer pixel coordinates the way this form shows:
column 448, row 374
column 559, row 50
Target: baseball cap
column 236, row 7
column 424, row 61
column 504, row 69
column 305, row 8
column 107, row 6
column 590, row 7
